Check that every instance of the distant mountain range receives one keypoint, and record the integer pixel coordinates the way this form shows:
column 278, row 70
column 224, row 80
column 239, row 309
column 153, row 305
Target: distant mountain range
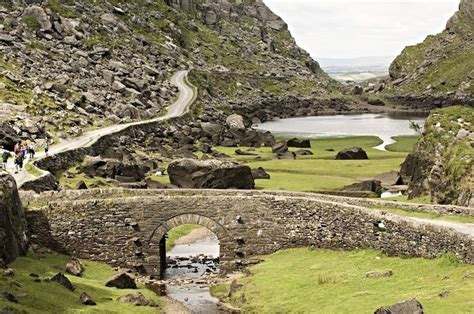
column 356, row 69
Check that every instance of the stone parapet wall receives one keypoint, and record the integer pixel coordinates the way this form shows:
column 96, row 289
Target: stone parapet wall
column 126, row 230
column 70, row 195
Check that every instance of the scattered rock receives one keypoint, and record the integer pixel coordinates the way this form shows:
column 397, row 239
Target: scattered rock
column 64, row 281
column 354, row 153
column 235, row 286
column 299, row 143
column 137, row 299
column 8, row 296
column 443, row 294
column 81, row 185
column 9, row 272
column 304, row 152
column 260, row 174
column 121, row 281
column 245, row 153
column 86, row 299
column 287, row 155
column 370, row 185
column 379, row 274
column 158, row 287
column 280, row 148
column 228, row 308
column 211, row 174
column 75, row 267
column 406, row 307
column 235, row 122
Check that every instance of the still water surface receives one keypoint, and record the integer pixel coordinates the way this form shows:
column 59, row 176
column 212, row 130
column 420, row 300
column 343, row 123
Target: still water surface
column 385, row 126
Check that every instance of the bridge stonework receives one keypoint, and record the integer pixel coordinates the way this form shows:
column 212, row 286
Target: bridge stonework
column 124, row 227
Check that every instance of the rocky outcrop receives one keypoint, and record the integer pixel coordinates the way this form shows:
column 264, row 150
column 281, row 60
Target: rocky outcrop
column 13, row 225
column 441, row 66
column 441, row 165
column 210, row 174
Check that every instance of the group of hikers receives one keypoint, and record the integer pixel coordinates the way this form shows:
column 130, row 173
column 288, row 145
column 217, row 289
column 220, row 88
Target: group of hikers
column 21, row 152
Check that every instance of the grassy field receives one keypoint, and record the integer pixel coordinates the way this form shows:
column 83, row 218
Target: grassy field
column 321, row 172
column 179, row 232
column 50, row 297
column 403, row 144
column 324, row 281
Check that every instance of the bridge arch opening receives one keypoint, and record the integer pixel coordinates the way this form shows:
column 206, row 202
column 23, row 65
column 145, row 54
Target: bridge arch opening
column 213, row 250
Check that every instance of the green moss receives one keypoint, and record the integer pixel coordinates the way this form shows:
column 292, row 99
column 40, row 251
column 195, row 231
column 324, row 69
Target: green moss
column 303, row 280
column 31, row 21
column 61, row 7
column 50, row 297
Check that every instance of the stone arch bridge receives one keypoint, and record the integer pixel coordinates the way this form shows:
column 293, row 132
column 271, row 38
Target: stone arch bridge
column 125, row 227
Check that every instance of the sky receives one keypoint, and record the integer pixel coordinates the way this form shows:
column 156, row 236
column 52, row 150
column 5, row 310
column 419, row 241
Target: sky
column 360, row 28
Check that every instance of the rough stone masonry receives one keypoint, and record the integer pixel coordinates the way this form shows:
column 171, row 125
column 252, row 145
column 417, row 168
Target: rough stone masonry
column 125, row 227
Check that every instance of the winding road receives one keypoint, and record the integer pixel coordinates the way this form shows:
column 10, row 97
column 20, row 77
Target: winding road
column 187, row 95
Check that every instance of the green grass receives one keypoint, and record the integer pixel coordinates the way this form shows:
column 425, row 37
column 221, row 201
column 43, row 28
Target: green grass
column 179, row 232
column 71, row 183
column 325, row 281
column 50, row 297
column 403, row 144
column 32, row 170
column 321, row 172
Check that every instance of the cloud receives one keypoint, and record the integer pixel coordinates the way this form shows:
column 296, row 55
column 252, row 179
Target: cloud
column 354, row 28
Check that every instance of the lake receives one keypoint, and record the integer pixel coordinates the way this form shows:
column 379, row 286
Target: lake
column 385, row 126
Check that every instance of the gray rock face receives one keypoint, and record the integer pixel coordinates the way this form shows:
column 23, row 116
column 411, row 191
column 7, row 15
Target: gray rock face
column 8, row 136
column 210, row 174
column 13, row 225
column 406, row 307
column 353, row 153
column 235, row 122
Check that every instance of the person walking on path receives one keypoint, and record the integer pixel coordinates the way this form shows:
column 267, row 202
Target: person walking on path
column 5, row 156
column 46, row 147
column 24, row 150
column 16, row 149
column 31, row 151
column 19, row 162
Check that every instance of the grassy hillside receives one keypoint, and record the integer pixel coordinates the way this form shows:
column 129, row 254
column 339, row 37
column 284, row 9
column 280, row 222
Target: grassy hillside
column 323, row 281
column 441, row 65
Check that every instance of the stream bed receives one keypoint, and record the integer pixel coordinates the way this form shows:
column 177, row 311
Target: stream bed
column 190, row 268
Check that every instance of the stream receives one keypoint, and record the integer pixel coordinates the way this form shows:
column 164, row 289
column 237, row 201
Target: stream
column 190, row 267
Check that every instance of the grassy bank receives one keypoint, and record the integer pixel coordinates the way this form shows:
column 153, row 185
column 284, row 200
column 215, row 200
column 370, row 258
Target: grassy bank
column 324, row 281
column 50, row 297
column 179, row 232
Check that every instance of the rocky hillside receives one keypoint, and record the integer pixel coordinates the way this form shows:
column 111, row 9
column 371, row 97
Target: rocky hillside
column 69, row 66
column 443, row 65
column 442, row 164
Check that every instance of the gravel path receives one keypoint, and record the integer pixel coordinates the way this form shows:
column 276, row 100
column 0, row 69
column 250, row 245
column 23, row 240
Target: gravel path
column 181, row 106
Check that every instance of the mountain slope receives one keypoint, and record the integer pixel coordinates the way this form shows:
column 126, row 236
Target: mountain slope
column 443, row 65
column 68, row 66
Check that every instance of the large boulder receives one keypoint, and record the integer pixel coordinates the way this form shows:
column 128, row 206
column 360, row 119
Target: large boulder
column 38, row 15
column 354, row 153
column 210, row 174
column 235, row 122
column 299, row 143
column 406, row 307
column 8, row 136
column 13, row 224
column 74, row 267
column 121, row 281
